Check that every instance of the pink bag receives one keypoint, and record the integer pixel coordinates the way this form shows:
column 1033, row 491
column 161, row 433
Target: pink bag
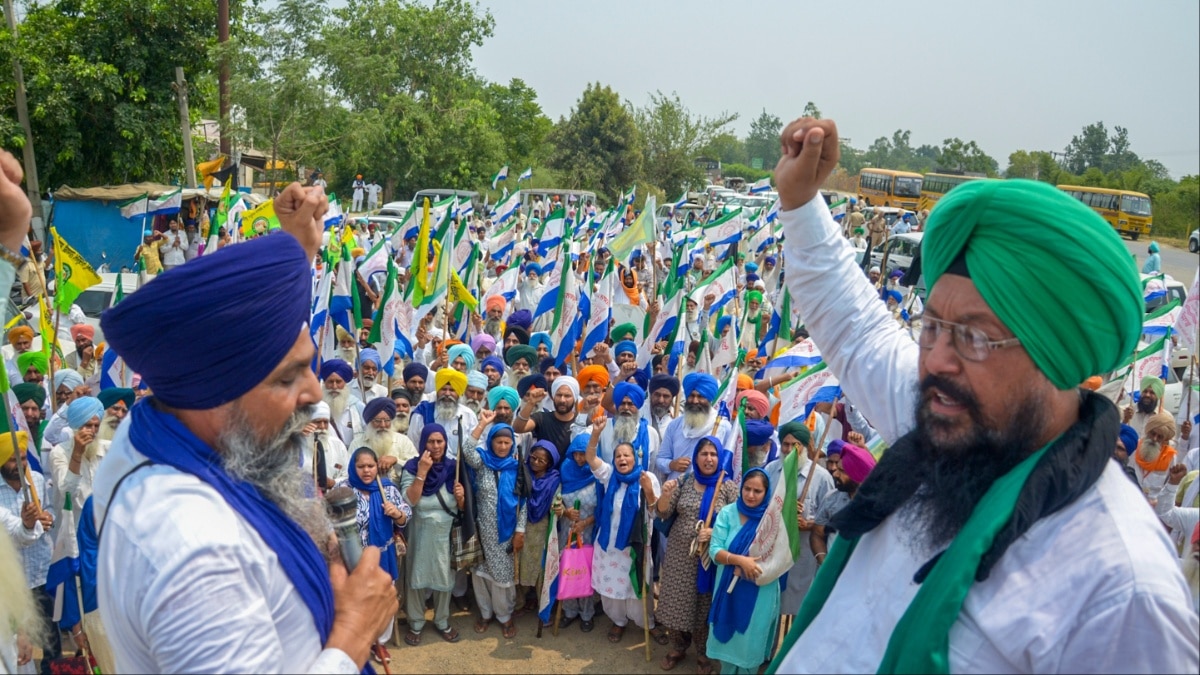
column 575, row 570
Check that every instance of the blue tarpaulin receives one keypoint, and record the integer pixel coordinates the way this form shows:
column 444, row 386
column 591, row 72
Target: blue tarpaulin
column 99, row 232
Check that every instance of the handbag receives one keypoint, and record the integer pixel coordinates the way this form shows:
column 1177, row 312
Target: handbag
column 70, row 665
column 575, row 570
column 466, row 551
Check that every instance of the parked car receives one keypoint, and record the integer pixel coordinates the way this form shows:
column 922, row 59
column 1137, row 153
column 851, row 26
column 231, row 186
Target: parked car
column 103, row 295
column 1194, row 241
column 900, row 249
column 396, row 209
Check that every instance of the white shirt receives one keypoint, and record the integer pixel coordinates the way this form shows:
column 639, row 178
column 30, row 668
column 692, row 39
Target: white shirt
column 170, row 254
column 1100, row 567
column 373, row 190
column 187, row 585
column 337, row 458
column 469, row 422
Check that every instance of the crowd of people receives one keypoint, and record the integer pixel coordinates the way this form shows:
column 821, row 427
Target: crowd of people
column 963, row 500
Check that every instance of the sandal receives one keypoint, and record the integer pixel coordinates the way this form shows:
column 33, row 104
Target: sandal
column 704, row 666
column 509, row 629
column 412, row 639
column 481, row 625
column 660, row 635
column 449, row 635
column 615, row 633
column 672, row 659
column 587, row 626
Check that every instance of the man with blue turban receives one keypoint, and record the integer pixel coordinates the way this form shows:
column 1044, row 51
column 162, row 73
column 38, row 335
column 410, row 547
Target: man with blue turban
column 493, row 368
column 345, row 409
column 698, row 420
column 998, row 478
column 74, row 460
column 389, row 446
column 461, row 358
column 203, row 505
column 66, row 386
column 369, row 365
column 628, row 425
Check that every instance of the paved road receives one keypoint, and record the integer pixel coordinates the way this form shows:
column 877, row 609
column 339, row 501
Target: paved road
column 1176, row 262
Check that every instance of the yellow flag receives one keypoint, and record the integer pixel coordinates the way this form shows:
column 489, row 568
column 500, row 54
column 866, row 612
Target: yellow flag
column 73, row 274
column 421, row 255
column 459, row 291
column 45, row 326
column 259, row 220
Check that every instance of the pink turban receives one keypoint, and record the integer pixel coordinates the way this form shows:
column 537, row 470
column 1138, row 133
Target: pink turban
column 857, row 462
column 754, row 399
column 483, row 340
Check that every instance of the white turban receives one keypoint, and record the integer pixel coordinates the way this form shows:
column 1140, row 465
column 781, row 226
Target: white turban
column 320, row 411
column 477, row 380
column 568, row 382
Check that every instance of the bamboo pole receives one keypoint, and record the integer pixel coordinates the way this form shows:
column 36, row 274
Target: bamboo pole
column 812, row 455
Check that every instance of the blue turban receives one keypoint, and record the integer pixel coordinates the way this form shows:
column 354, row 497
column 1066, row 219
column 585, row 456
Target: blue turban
column 769, row 259
column 242, row 346
column 533, row 267
column 541, row 337
column 522, row 318
column 67, row 377
column 82, row 410
column 502, row 393
column 369, row 354
column 331, row 367
column 493, row 361
column 893, row 295
column 722, row 324
column 625, row 347
column 415, row 369
column 641, row 378
column 751, row 267
column 626, row 390
column 751, row 278
column 377, row 405
column 1129, row 437
column 529, row 381
column 700, row 383
column 758, row 432
column 464, row 351
column 664, row 381
column 546, row 364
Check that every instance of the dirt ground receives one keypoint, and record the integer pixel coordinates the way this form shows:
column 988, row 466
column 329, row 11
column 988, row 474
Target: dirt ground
column 573, row 651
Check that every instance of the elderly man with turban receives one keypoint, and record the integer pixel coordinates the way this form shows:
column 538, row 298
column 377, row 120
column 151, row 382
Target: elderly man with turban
column 75, row 460
column 697, row 421
column 345, row 408
column 997, row 480
column 476, row 393
column 389, row 446
column 1154, row 455
column 67, row 386
column 212, row 557
column 484, row 346
column 628, row 425
column 369, row 367
column 447, row 410
column 521, row 359
column 32, row 398
column 21, row 339
column 116, row 401
column 1150, row 394
column 324, row 455
column 461, row 358
column 556, row 426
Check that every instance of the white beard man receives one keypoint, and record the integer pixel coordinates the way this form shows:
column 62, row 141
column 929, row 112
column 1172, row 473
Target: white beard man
column 323, row 444
column 345, row 410
column 73, row 463
column 450, row 385
column 628, row 424
column 116, row 402
column 675, row 453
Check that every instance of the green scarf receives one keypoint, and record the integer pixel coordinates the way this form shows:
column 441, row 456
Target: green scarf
column 921, row 640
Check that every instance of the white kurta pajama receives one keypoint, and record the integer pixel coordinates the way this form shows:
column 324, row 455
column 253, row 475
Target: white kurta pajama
column 1101, row 566
column 610, row 568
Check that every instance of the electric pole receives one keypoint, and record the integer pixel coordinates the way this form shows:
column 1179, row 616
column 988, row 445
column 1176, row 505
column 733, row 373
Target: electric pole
column 223, row 75
column 189, row 163
column 31, row 176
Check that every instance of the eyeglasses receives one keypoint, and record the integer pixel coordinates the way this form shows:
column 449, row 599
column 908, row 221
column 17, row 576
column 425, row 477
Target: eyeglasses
column 971, row 343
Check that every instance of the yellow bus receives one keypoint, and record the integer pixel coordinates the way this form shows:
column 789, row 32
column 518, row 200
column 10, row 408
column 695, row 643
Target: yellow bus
column 936, row 185
column 1128, row 212
column 884, row 187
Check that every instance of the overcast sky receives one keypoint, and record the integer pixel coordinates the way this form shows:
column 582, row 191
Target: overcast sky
column 1010, row 75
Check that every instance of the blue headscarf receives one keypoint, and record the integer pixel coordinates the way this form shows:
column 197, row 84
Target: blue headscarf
column 731, row 612
column 705, row 577
column 371, row 355
column 506, row 481
column 163, row 439
column 441, row 472
column 630, row 506
column 379, row 526
column 542, row 490
column 700, row 383
column 493, row 361
column 574, row 476
column 625, row 347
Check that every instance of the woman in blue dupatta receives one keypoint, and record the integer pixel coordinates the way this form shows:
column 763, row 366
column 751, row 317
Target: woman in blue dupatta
column 543, row 481
column 750, row 547
column 581, row 493
column 685, row 586
column 381, row 515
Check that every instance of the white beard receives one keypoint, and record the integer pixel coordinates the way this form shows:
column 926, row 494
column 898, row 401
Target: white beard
column 696, row 421
column 400, row 424
column 107, row 428
column 473, row 406
column 91, row 449
column 338, row 402
column 1191, row 573
column 381, row 441
column 625, row 428
column 347, row 355
column 369, row 381
column 444, row 411
column 513, row 378
column 1150, row 450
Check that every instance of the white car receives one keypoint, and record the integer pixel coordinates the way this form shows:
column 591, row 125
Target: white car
column 1180, row 357
column 395, row 209
column 1194, row 241
column 900, row 249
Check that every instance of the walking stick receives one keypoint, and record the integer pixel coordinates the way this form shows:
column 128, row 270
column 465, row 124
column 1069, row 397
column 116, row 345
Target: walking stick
column 645, row 586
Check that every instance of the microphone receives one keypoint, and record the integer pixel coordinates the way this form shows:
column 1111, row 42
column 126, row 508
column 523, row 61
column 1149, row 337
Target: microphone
column 342, row 505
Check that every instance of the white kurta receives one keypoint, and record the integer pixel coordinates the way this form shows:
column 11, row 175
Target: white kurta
column 187, row 585
column 1100, row 567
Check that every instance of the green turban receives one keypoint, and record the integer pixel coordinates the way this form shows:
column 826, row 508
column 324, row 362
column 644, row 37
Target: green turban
column 520, row 352
column 1154, row 384
column 796, row 429
column 1050, row 268
column 754, row 296
column 624, row 331
column 36, row 359
column 30, row 391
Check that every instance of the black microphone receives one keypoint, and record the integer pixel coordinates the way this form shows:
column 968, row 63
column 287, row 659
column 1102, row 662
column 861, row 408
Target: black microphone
column 342, row 505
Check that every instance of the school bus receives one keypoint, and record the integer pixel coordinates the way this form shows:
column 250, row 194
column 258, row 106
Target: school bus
column 1128, row 212
column 884, row 187
column 936, row 185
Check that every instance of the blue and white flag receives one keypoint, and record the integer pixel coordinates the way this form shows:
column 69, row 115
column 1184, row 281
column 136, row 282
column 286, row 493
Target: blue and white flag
column 505, row 209
column 551, row 234
column 679, row 202
column 334, row 215
column 725, row 230
column 600, row 310
column 1154, row 288
column 838, row 209
column 550, row 569
column 504, row 286
column 803, row 354
column 502, row 174
column 114, row 372
column 763, row 185
column 341, row 303
column 773, row 212
column 527, row 174
column 798, row 397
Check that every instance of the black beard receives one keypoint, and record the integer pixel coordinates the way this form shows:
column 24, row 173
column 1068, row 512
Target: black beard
column 564, row 408
column 848, row 486
column 1147, row 405
column 956, row 474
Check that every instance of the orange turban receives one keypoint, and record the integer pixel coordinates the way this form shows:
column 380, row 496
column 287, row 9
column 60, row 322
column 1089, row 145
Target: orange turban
column 19, row 332
column 754, row 399
column 495, row 302
column 744, row 382
column 82, row 329
column 589, row 374
column 1093, row 383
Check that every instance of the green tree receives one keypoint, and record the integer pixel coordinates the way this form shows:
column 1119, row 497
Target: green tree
column 727, row 148
column 671, row 138
column 811, row 110
column 955, row 155
column 99, row 76
column 521, row 123
column 598, row 145
column 1089, row 149
column 763, row 141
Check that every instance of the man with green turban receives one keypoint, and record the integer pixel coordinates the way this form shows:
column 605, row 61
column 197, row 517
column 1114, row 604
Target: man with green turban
column 32, row 398
column 33, row 366
column 966, row 544
column 1151, row 390
column 623, row 331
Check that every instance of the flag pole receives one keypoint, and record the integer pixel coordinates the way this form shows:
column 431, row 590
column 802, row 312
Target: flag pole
column 813, row 455
column 22, row 465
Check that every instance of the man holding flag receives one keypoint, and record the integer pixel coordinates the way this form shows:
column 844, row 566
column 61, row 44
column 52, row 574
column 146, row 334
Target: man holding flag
column 1003, row 444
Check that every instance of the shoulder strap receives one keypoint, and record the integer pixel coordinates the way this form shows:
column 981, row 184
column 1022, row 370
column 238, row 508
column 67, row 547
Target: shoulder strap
column 455, row 513
column 104, row 520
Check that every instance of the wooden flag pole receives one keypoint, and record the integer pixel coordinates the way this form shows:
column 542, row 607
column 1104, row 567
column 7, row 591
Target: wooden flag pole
column 53, row 348
column 812, row 455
